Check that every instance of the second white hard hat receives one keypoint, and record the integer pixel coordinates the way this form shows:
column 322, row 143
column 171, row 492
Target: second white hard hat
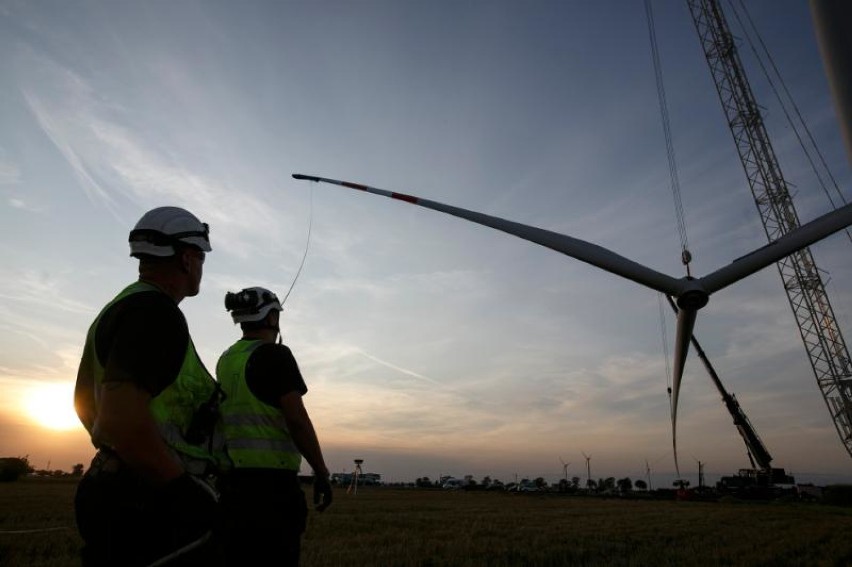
column 251, row 304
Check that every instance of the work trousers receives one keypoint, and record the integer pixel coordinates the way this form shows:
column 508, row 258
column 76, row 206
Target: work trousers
column 124, row 522
column 265, row 515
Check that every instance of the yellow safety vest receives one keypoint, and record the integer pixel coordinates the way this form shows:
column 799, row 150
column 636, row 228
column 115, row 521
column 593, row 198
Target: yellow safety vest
column 256, row 435
column 173, row 408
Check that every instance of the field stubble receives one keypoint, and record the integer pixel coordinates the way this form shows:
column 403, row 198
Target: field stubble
column 397, row 527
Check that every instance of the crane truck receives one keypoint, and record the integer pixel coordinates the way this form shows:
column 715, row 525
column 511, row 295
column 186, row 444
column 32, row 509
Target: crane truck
column 762, row 478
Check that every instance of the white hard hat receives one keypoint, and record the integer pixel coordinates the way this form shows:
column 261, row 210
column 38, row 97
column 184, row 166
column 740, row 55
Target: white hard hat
column 251, row 304
column 160, row 229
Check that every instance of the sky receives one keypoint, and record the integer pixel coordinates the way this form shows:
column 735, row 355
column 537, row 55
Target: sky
column 430, row 345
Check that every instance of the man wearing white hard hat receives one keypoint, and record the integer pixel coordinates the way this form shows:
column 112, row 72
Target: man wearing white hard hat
column 150, row 407
column 267, row 431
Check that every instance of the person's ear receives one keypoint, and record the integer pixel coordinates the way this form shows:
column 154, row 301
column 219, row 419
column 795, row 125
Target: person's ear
column 185, row 258
column 272, row 318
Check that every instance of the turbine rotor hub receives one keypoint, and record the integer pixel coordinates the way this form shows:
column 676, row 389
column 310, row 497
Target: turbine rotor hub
column 693, row 299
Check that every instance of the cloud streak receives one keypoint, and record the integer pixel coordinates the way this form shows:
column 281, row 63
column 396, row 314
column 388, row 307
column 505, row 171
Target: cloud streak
column 116, row 167
column 10, row 173
column 399, row 369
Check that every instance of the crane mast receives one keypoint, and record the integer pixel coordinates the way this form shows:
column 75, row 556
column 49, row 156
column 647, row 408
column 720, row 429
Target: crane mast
column 824, row 343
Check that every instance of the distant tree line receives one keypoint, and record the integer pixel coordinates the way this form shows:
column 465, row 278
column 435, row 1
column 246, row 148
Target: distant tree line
column 13, row 468
column 603, row 486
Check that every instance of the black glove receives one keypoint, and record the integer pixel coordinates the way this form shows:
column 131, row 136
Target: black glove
column 322, row 493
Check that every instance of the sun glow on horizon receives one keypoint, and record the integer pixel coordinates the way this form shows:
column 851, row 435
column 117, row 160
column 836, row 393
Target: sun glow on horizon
column 51, row 406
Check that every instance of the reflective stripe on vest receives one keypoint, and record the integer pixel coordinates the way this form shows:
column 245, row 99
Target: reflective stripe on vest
column 173, row 408
column 256, row 434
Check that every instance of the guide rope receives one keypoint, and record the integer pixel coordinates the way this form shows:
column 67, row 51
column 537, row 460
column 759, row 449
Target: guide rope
column 307, row 245
column 34, row 531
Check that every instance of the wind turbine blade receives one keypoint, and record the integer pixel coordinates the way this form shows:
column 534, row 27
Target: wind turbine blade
column 685, row 324
column 579, row 249
column 791, row 242
column 674, row 448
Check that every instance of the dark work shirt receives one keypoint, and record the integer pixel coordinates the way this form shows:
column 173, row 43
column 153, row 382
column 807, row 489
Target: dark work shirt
column 272, row 372
column 143, row 339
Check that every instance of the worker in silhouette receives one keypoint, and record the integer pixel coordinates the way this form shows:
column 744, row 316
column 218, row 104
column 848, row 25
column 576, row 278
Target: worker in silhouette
column 267, row 431
column 145, row 398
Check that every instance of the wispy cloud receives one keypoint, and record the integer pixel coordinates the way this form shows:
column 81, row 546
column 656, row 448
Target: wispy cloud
column 10, row 173
column 54, row 131
column 398, row 368
column 115, row 165
column 35, row 289
column 22, row 205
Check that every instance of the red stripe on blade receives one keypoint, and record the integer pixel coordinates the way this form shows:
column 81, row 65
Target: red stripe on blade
column 404, row 197
column 355, row 186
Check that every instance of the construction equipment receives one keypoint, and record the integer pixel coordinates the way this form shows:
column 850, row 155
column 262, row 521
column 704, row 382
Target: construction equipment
column 824, row 343
column 761, row 474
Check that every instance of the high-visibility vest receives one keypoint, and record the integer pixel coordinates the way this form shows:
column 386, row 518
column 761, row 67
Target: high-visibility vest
column 256, row 434
column 173, row 408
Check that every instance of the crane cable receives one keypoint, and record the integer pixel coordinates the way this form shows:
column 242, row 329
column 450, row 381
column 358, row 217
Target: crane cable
column 686, row 257
column 795, row 107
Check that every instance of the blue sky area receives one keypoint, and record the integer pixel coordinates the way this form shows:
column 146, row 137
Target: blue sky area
column 430, row 345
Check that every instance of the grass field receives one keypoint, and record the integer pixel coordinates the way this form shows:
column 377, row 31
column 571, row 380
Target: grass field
column 396, row 527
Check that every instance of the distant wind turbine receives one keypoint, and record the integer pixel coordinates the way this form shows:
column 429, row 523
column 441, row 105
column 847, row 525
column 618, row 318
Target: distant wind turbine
column 691, row 294
column 564, row 468
column 648, row 473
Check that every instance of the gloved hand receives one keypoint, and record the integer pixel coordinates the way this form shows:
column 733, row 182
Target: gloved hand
column 322, row 493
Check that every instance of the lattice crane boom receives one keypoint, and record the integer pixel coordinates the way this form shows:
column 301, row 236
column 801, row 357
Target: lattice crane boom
column 822, row 337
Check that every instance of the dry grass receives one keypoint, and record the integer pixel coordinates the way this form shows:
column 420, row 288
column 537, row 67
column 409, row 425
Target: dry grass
column 383, row 527
column 388, row 527
column 38, row 504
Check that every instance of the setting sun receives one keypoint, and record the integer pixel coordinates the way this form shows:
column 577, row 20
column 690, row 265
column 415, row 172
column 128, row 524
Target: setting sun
column 52, row 406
